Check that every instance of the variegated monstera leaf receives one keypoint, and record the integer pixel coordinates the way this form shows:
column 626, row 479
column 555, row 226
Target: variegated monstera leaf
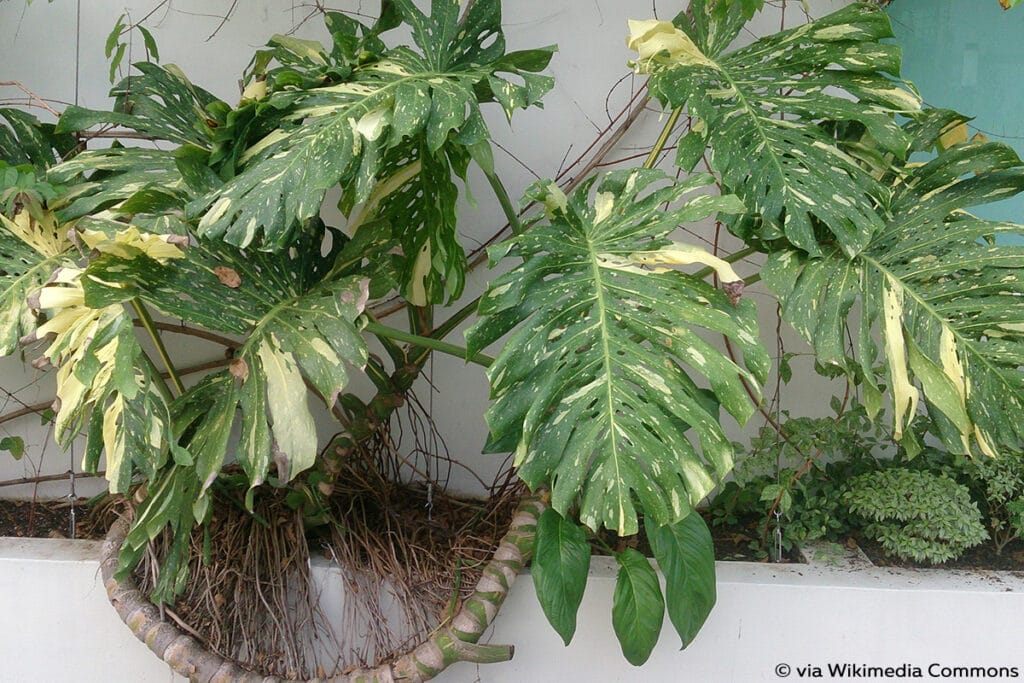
column 945, row 297
column 33, row 245
column 296, row 316
column 757, row 109
column 103, row 378
column 399, row 122
column 592, row 387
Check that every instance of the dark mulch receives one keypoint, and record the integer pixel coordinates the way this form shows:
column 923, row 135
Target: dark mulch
column 979, row 557
column 45, row 519
column 742, row 543
column 739, row 543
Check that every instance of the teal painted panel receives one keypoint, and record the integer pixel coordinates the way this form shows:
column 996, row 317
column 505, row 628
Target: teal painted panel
column 968, row 55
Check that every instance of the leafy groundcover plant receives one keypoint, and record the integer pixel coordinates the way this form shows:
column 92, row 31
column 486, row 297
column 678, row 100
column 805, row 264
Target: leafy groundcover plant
column 604, row 385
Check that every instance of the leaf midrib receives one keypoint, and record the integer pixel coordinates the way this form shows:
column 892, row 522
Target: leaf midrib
column 602, row 317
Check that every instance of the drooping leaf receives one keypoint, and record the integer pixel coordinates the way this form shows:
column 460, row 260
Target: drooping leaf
column 297, row 329
column 101, row 371
column 686, row 555
column 31, row 248
column 591, row 388
column 638, row 609
column 561, row 563
column 760, row 104
column 947, row 301
column 168, row 503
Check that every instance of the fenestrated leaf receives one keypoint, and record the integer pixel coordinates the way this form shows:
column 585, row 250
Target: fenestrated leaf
column 115, row 175
column 638, row 608
column 297, row 328
column 686, row 555
column 159, row 102
column 26, row 140
column 347, row 127
column 417, row 201
column 948, row 302
column 760, row 104
column 561, row 563
column 591, row 388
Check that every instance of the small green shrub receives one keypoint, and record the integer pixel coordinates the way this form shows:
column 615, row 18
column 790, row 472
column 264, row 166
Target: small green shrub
column 916, row 515
column 826, row 451
column 1000, row 482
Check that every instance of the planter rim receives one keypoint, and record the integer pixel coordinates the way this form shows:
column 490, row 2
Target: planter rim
column 14, row 548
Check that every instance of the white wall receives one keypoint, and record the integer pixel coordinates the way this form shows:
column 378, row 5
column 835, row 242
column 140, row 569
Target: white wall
column 38, row 48
column 766, row 615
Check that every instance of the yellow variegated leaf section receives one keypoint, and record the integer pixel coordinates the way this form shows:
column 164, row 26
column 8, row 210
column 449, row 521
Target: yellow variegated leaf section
column 129, row 242
column 74, row 324
column 679, row 254
column 294, row 430
column 660, row 42
column 43, row 234
column 904, row 393
column 420, row 271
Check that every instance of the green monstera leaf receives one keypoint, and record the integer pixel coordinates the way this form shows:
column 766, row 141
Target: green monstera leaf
column 118, row 182
column 757, row 108
column 946, row 298
column 160, row 102
column 349, row 126
column 591, row 388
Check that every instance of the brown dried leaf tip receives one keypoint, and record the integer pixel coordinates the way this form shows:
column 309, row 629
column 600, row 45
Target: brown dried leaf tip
column 734, row 290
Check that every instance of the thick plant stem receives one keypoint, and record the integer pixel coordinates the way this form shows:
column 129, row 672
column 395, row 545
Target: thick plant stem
column 506, row 202
column 454, row 642
column 428, row 342
column 666, row 131
column 147, row 323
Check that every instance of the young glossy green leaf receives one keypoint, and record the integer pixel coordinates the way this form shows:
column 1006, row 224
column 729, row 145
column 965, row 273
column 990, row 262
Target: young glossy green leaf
column 115, row 62
column 113, row 38
column 152, row 53
column 561, row 563
column 686, row 555
column 638, row 608
column 14, row 445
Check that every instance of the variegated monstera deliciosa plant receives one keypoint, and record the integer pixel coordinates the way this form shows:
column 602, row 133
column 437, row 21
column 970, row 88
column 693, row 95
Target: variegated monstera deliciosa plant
column 605, row 383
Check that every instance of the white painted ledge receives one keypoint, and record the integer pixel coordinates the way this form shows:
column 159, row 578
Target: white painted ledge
column 56, row 624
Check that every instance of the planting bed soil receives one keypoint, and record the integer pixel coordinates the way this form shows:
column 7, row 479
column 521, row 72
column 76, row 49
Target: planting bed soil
column 979, row 557
column 47, row 519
